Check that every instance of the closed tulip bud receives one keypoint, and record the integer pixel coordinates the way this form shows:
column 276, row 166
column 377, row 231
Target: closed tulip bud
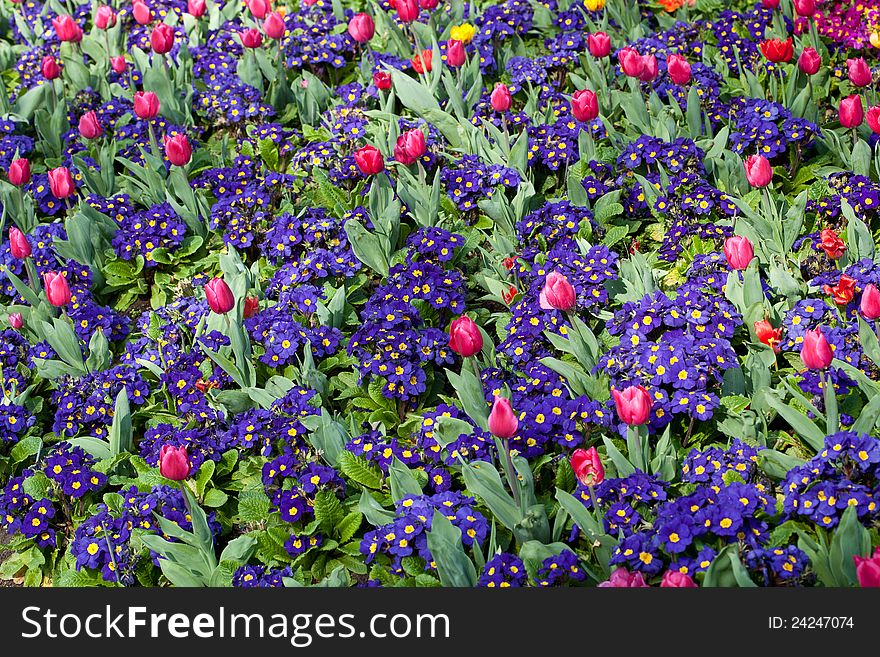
column 89, row 126
column 177, row 150
column 631, row 62
column 759, row 173
column 118, row 64
column 557, row 293
column 61, row 183
column 816, row 353
column 174, row 463
column 407, row 10
column 850, row 111
column 767, row 334
column 361, row 27
column 251, row 306
column 259, row 8
column 503, row 423
column 146, row 105
column 674, row 579
column 679, row 69
column 105, row 17
column 57, row 289
column 500, row 98
column 50, row 68
column 778, row 50
column 196, row 8
column 410, row 147
column 382, row 80
column 162, row 39
column 274, row 26
column 369, row 160
column 220, row 297
column 738, row 251
column 587, row 466
column 622, row 578
column 142, row 13
column 831, row 244
column 633, row 405
column 599, row 44
column 584, row 105
column 649, row 68
column 15, row 320
column 455, row 55
column 251, row 38
column 810, row 61
column 859, row 72
column 428, row 4
column 872, row 116
column 19, row 246
column 870, row 304
column 67, row 29
column 465, row 338
column 19, row 172
column 769, row 4
column 805, row 8
column 422, row 63
column 868, row 569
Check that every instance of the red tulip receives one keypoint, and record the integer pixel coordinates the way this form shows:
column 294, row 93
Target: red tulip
column 422, row 63
column 759, row 173
column 455, row 54
column 557, row 293
column 251, row 38
column 649, row 68
column 739, row 252
column 19, row 246
column 174, row 463
column 407, row 10
column 868, row 570
column 631, row 62
column 584, row 105
column 633, row 405
column 50, row 68
column 177, row 150
column 67, row 29
column 382, row 80
column 599, row 44
column 259, row 8
column 465, row 338
column 196, row 8
column 843, row 292
column 805, row 7
column 873, row 118
column 146, row 105
column 429, row 4
column 503, row 423
column 57, row 289
column 15, row 320
column 509, row 295
column 118, row 64
column 859, row 72
column 142, row 13
column 679, row 69
column 61, row 183
column 19, row 172
column 361, row 27
column 816, row 353
column 162, row 39
column 251, row 306
column 587, row 466
column 274, row 26
column 621, row 578
column 770, row 4
column 674, row 579
column 410, row 147
column 105, row 17
column 500, row 97
column 369, row 160
column 777, row 50
column 768, row 335
column 810, row 61
column 831, row 244
column 850, row 111
column 220, row 297
column 89, row 126
column 870, row 304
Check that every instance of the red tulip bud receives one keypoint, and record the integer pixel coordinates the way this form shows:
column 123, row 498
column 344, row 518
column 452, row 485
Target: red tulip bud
column 19, row 246
column 259, row 8
column 831, row 244
column 251, row 38
column 220, row 297
column 502, row 421
column 89, row 126
column 67, row 29
column 274, row 26
column 500, row 98
column 146, row 105
column 174, row 463
column 421, row 63
column 196, row 8
column 843, row 292
column 177, row 150
column 679, row 69
column 455, row 54
column 19, row 172
column 118, row 64
column 557, row 293
column 361, row 27
column 465, row 338
column 777, row 50
column 50, row 68
column 382, row 80
column 587, row 466
column 633, row 405
column 870, row 304
column 767, row 334
column 61, row 183
column 584, row 105
column 369, row 160
column 816, row 353
column 859, row 72
column 850, row 111
column 810, row 61
column 142, row 13
column 599, row 44
column 57, row 289
column 105, row 17
column 410, row 147
column 15, row 320
column 738, row 251
column 162, row 39
column 251, row 306
column 759, row 173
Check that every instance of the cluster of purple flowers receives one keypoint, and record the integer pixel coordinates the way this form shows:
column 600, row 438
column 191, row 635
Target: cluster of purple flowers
column 502, row 571
column 470, row 181
column 21, row 513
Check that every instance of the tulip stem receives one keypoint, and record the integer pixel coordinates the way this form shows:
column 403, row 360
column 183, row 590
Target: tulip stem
column 831, row 416
column 476, row 367
column 595, row 501
column 33, row 279
column 512, row 479
column 634, row 446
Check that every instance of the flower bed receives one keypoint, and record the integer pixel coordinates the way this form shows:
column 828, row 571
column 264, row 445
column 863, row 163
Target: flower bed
column 417, row 294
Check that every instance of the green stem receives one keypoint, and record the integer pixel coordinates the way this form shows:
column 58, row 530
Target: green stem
column 512, row 479
column 634, row 446
column 832, row 421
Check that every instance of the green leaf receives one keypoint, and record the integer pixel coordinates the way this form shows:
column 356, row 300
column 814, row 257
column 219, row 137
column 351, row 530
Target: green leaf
column 850, row 539
column 253, row 506
column 120, row 429
column 360, row 470
column 726, row 570
column 453, row 564
column 328, row 510
column 373, row 511
column 403, row 482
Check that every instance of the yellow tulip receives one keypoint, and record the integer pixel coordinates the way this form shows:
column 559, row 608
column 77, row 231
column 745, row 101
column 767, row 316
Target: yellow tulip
column 875, row 39
column 464, row 32
column 594, row 5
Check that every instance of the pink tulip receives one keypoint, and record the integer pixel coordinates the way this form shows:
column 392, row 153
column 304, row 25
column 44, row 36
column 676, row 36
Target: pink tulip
column 196, row 8
column 557, row 293
column 631, row 62
column 679, row 69
column 361, row 27
column 500, row 97
column 621, row 578
column 61, row 183
column 251, row 38
column 220, row 297
column 759, row 173
column 633, row 405
column 105, row 17
column 15, row 320
column 868, row 570
column 178, row 150
column 382, row 80
column 50, row 68
column 174, row 463
column 142, row 13
column 465, row 338
column 587, row 466
column 859, row 72
column 274, row 26
column 805, row 8
column 599, row 44
column 89, row 126
column 739, row 252
column 162, row 39
column 19, row 172
column 146, row 105
column 455, row 54
column 816, row 353
column 67, row 29
column 19, row 246
column 674, row 579
column 118, row 64
column 57, row 289
column 410, row 147
column 259, row 8
column 584, row 105
column 369, row 160
column 810, row 61
column 850, row 111
column 870, row 303
column 407, row 10
column 503, row 423
column 649, row 68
